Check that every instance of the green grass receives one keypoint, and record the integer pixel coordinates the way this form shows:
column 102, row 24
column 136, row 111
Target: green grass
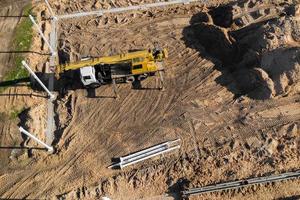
column 21, row 42
column 15, row 113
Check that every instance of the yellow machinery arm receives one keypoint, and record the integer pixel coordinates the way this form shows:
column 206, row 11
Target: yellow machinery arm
column 130, row 67
column 146, row 58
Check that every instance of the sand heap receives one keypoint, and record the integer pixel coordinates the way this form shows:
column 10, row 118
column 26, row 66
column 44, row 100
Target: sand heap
column 277, row 46
column 262, row 53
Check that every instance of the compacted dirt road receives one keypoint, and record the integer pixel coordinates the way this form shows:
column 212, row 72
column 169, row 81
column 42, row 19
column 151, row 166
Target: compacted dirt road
column 236, row 116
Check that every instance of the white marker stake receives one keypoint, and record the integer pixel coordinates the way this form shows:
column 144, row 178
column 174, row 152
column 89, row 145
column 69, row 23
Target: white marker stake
column 42, row 35
column 22, row 130
column 37, row 78
column 50, row 10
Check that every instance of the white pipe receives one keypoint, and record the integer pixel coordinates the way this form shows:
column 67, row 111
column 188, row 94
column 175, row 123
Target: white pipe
column 137, row 157
column 144, row 151
column 22, row 130
column 153, row 148
column 37, row 78
column 42, row 35
column 150, row 156
column 129, row 8
column 146, row 154
column 50, row 10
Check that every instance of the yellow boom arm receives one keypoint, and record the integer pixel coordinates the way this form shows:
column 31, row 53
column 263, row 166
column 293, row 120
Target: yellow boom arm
column 141, row 61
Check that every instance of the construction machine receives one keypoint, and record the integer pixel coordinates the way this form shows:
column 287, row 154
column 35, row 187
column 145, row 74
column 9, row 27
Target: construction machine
column 132, row 67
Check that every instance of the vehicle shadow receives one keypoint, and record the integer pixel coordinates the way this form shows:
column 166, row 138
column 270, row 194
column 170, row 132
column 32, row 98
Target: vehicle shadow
column 16, row 82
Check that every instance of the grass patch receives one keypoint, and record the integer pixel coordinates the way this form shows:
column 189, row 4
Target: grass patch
column 15, row 113
column 21, row 42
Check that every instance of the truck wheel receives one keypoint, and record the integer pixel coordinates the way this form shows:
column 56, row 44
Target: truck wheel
column 136, row 84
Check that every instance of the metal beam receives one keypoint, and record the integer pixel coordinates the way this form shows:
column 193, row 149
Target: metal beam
column 146, row 154
column 37, row 79
column 129, row 8
column 50, row 10
column 42, row 35
column 22, row 130
column 241, row 183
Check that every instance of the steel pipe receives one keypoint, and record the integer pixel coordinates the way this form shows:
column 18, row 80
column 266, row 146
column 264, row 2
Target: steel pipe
column 42, row 35
column 129, row 8
column 146, row 154
column 50, row 10
column 38, row 80
column 241, row 183
column 22, row 130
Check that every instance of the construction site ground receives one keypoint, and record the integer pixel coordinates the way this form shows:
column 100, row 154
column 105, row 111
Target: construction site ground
column 232, row 97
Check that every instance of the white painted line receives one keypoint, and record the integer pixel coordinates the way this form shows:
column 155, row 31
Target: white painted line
column 22, row 130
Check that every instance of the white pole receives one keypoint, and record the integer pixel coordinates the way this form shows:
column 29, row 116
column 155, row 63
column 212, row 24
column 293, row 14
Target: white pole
column 37, row 78
column 50, row 10
column 42, row 35
column 22, row 130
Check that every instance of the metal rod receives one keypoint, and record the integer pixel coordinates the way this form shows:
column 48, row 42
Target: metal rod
column 146, row 154
column 42, row 35
column 115, row 88
column 150, row 156
column 241, row 183
column 165, row 145
column 160, row 149
column 146, row 150
column 162, row 83
column 129, row 8
column 22, row 130
column 37, row 78
column 50, row 10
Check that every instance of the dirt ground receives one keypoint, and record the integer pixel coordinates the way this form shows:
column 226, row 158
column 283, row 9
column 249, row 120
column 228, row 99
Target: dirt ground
column 232, row 97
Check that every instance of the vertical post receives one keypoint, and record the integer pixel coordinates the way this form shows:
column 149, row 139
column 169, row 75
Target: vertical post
column 22, row 130
column 115, row 88
column 161, row 75
column 37, row 78
column 42, row 35
column 50, row 10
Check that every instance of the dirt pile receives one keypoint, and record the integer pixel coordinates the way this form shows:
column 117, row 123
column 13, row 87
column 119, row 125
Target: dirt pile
column 261, row 51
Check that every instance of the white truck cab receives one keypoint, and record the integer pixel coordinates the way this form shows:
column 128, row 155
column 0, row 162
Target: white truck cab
column 88, row 76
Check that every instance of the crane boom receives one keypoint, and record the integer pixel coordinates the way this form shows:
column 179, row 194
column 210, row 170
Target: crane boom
column 132, row 57
column 130, row 67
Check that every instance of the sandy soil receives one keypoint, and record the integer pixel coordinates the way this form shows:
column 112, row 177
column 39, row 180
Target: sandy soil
column 228, row 97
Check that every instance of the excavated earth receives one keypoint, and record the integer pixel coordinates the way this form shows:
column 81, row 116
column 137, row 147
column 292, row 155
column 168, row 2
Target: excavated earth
column 232, row 97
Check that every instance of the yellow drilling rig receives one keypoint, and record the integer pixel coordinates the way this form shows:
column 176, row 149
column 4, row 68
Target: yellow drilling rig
column 130, row 67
